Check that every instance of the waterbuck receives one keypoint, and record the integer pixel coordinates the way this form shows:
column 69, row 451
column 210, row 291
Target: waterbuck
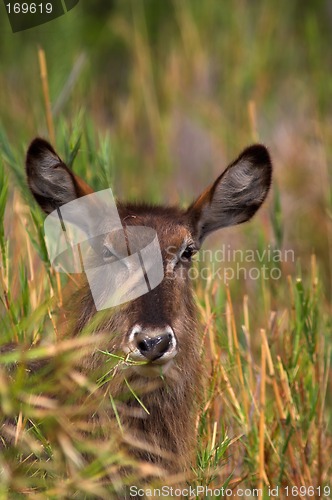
column 159, row 327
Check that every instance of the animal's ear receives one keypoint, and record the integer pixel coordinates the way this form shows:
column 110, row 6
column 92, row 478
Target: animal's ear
column 235, row 196
column 51, row 182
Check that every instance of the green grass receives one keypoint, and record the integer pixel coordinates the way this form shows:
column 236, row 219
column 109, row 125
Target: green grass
column 167, row 97
column 55, row 452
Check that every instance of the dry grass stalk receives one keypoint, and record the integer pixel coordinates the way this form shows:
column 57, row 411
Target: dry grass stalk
column 229, row 329
column 237, row 355
column 262, row 419
column 44, row 80
column 298, row 476
column 318, row 373
column 231, row 393
column 252, row 113
column 246, row 330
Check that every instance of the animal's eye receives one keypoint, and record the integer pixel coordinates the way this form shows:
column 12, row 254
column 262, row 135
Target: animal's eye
column 188, row 253
column 107, row 253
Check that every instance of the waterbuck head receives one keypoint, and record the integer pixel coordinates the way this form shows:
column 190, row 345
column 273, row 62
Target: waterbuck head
column 157, row 327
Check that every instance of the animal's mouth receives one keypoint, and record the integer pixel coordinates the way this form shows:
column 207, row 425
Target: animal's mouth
column 153, row 369
column 136, row 355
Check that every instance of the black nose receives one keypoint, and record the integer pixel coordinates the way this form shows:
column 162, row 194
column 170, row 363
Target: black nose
column 153, row 348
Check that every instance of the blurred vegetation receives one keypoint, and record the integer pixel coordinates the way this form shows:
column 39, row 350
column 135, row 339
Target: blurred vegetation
column 172, row 83
column 155, row 98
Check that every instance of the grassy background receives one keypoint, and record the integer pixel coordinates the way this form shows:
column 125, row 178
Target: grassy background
column 154, row 99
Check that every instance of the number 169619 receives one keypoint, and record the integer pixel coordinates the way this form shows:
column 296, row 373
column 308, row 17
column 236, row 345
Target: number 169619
column 29, row 8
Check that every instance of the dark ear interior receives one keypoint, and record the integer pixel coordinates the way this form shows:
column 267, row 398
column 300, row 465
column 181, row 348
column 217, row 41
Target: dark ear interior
column 236, row 195
column 49, row 179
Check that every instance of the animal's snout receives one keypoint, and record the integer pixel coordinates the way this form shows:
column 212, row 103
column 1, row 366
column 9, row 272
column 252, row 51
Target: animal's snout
column 154, row 347
column 152, row 344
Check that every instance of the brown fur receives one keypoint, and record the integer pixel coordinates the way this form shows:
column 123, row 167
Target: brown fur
column 168, row 433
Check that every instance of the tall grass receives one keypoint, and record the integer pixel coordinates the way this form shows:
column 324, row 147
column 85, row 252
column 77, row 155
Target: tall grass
column 265, row 420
